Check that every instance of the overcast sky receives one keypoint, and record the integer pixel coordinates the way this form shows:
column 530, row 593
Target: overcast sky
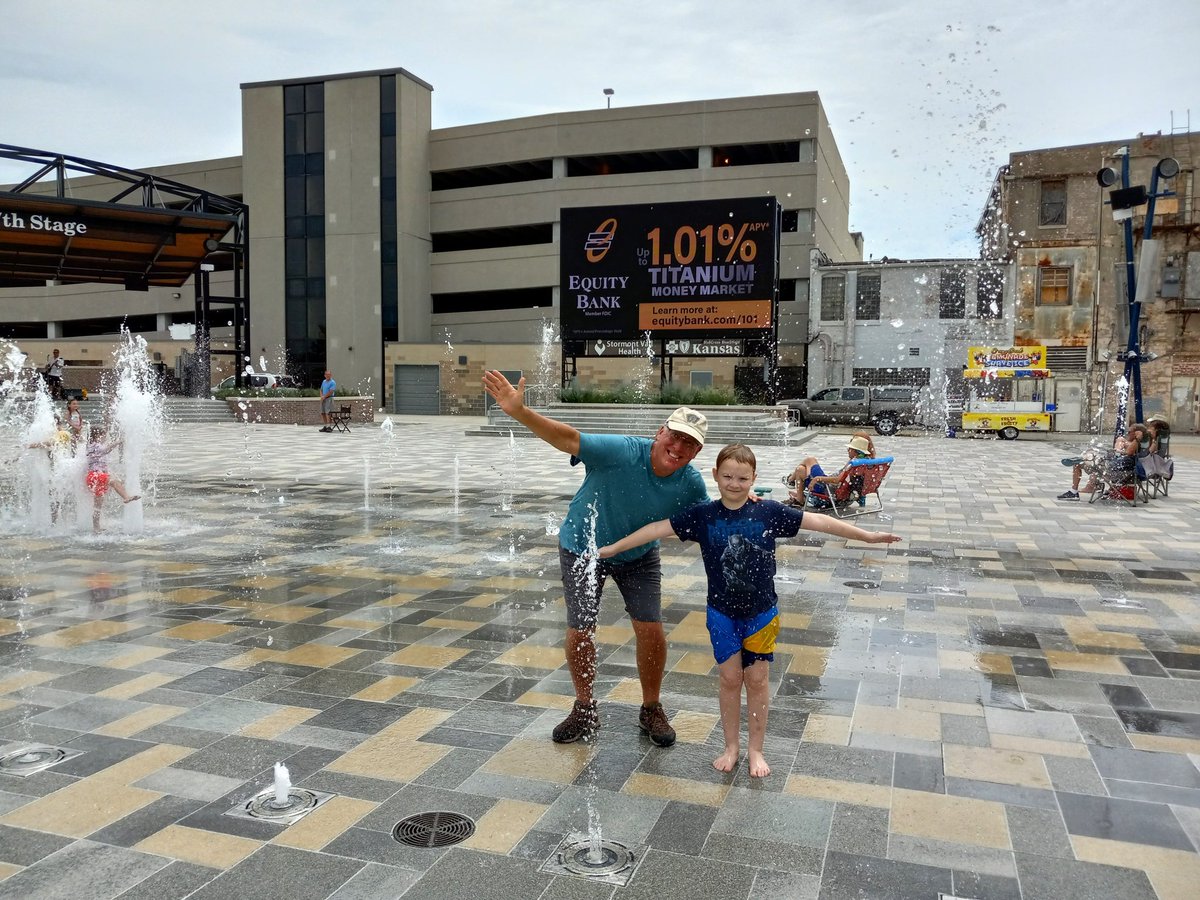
column 926, row 97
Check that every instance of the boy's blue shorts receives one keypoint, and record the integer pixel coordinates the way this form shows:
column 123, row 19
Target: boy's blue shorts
column 754, row 637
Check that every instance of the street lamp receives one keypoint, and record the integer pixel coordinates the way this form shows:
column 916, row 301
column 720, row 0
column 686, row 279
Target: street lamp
column 1123, row 202
column 608, row 95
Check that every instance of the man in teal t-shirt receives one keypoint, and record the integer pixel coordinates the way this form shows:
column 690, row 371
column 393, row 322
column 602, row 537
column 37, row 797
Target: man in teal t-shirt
column 630, row 482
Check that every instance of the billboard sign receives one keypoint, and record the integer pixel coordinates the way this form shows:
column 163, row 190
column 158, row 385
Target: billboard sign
column 698, row 269
column 672, row 347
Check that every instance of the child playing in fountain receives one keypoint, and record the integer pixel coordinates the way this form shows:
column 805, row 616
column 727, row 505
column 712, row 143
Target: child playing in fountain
column 737, row 543
column 98, row 478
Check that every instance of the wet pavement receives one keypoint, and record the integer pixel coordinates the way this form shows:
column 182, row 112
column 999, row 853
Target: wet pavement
column 1005, row 705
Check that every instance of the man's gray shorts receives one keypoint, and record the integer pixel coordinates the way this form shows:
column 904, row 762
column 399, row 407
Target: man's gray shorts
column 327, row 405
column 639, row 581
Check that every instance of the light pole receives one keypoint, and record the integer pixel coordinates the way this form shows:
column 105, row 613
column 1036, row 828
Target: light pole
column 1123, row 202
column 608, row 95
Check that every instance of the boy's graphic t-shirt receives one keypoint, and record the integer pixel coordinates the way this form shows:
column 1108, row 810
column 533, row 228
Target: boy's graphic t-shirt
column 738, row 548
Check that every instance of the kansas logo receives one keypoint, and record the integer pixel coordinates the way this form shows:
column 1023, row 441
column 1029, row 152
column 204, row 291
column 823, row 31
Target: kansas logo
column 599, row 241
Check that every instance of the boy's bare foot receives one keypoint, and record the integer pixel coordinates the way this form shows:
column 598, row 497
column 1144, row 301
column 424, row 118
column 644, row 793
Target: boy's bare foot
column 131, row 499
column 758, row 765
column 727, row 760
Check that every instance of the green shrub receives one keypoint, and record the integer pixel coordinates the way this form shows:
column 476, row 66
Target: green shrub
column 671, row 395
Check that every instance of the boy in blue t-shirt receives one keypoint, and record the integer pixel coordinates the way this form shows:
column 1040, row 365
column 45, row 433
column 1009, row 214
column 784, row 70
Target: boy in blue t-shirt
column 737, row 543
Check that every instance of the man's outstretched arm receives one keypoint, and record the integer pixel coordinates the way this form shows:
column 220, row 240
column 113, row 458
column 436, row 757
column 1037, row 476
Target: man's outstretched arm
column 511, row 399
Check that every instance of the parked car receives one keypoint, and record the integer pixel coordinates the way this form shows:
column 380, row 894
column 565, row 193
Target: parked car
column 887, row 408
column 258, row 381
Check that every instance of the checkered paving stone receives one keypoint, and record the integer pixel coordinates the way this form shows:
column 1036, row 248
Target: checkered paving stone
column 1005, row 705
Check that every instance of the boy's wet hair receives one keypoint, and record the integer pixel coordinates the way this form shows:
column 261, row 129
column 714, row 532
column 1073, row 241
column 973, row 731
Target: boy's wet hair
column 738, row 453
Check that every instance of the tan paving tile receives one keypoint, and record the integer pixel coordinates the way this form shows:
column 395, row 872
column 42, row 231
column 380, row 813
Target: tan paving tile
column 1174, row 874
column 683, row 789
column 1085, row 662
column 199, row 631
column 85, row 633
column 618, row 635
column 7, row 869
column 693, row 727
column 994, row 663
column 546, row 700
column 425, row 657
column 25, row 679
column 1163, row 743
column 879, row 795
column 274, row 724
column 941, row 706
column 1040, row 746
column 993, row 764
column 386, row 688
column 128, row 726
column 959, row 660
column 809, row 660
column 958, row 820
column 694, row 662
column 136, row 686
column 193, row 594
column 325, row 823
column 533, row 656
column 504, row 826
column 395, row 753
column 825, row 729
column 138, row 655
column 541, row 760
column 204, row 848
column 80, row 808
column 908, row 723
column 627, row 690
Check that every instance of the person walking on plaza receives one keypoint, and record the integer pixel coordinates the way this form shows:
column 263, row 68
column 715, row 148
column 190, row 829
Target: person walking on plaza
column 54, row 375
column 630, row 482
column 737, row 543
column 328, row 386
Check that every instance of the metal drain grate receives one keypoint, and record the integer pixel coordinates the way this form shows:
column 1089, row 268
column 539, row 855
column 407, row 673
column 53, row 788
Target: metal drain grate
column 433, row 829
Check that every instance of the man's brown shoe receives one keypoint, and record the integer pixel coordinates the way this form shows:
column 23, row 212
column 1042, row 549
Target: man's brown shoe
column 653, row 721
column 581, row 724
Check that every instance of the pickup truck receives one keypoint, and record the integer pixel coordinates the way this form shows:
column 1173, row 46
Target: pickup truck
column 886, row 408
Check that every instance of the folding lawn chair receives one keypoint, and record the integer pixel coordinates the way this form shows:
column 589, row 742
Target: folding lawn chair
column 848, row 497
column 341, row 419
column 1116, row 478
column 1158, row 468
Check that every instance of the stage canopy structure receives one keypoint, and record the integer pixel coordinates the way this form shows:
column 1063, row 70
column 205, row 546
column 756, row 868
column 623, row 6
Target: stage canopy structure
column 151, row 232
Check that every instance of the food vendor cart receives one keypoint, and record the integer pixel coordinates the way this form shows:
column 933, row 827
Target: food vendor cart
column 1002, row 406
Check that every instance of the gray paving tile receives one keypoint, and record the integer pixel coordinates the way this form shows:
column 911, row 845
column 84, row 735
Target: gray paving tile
column 83, row 869
column 1044, row 878
column 850, row 877
column 660, row 874
column 785, row 819
column 967, row 857
column 265, row 873
column 623, row 817
column 173, row 882
column 376, row 882
column 22, row 847
column 861, row 830
column 1039, row 831
column 1123, row 820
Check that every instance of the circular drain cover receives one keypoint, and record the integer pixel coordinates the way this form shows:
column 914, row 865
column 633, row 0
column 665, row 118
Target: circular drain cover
column 864, row 585
column 608, row 858
column 299, row 801
column 30, row 758
column 433, row 829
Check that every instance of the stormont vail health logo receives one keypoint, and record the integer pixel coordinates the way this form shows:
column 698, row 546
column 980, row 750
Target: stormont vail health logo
column 599, row 241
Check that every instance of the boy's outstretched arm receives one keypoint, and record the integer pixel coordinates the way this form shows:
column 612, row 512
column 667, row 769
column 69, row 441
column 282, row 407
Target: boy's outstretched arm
column 830, row 525
column 511, row 399
column 644, row 535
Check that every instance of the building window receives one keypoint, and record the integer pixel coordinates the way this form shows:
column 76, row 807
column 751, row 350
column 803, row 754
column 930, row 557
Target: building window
column 866, row 301
column 701, row 379
column 797, row 221
column 952, row 294
column 1053, row 210
column 1054, row 286
column 989, row 294
column 833, row 298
